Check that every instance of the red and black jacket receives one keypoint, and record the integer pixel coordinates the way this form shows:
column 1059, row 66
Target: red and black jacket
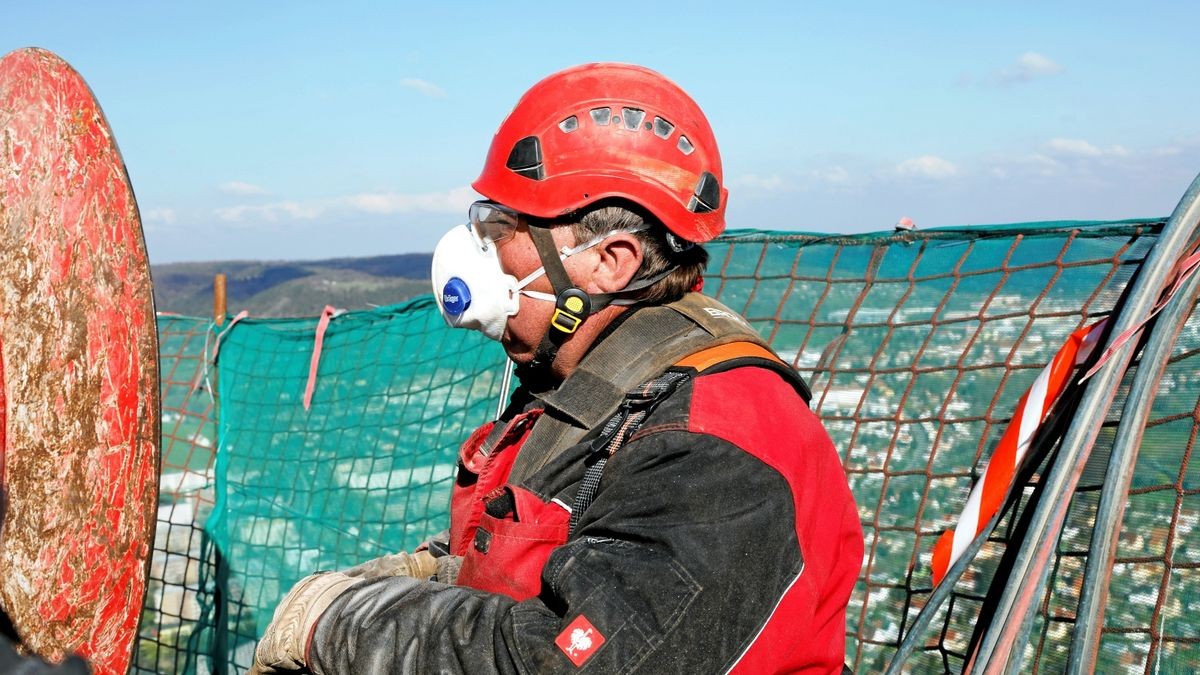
column 720, row 536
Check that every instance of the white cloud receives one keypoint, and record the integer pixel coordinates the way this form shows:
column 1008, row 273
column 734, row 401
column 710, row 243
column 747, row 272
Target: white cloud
column 236, row 187
column 1028, row 67
column 164, row 216
column 1020, row 182
column 1074, row 147
column 1041, row 164
column 154, row 219
column 449, row 201
column 1177, row 147
column 752, row 181
column 426, row 88
column 835, row 175
column 373, row 203
column 927, row 166
column 270, row 213
column 1035, row 164
column 1073, row 157
column 1033, row 64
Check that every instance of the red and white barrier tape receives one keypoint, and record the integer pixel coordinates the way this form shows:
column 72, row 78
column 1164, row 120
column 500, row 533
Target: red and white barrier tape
column 989, row 492
column 1035, row 405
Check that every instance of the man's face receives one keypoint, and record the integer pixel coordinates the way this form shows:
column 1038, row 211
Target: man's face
column 519, row 257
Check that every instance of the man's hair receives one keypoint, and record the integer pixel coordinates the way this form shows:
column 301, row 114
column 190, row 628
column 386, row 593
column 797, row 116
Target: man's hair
column 658, row 254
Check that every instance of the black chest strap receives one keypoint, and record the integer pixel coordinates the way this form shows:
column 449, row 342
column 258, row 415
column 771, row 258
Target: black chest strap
column 636, row 407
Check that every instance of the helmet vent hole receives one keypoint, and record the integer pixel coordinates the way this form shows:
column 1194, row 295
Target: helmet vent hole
column 526, row 158
column 601, row 115
column 662, row 128
column 633, row 118
column 570, row 124
column 707, row 195
column 685, row 146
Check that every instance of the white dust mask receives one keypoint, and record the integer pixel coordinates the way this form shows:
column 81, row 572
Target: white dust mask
column 471, row 289
column 474, row 292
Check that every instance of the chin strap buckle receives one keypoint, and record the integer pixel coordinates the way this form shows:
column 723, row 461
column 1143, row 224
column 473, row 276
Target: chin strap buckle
column 570, row 309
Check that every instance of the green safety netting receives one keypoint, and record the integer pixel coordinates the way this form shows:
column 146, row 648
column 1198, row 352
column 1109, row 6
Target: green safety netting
column 917, row 346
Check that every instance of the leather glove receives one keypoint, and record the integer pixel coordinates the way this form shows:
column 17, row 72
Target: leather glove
column 447, row 569
column 419, row 565
column 284, row 645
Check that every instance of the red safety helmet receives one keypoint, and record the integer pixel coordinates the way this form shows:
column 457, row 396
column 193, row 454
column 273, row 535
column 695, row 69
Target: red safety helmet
column 605, row 130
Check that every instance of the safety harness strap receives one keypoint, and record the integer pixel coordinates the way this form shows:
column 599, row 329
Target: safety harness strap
column 724, row 357
column 636, row 407
column 642, row 401
column 707, row 358
column 646, row 345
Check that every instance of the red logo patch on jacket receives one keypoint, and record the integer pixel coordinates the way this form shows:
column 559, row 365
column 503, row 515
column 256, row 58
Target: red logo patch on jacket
column 579, row 640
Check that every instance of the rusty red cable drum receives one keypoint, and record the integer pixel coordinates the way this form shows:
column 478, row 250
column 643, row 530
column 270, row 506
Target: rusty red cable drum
column 80, row 389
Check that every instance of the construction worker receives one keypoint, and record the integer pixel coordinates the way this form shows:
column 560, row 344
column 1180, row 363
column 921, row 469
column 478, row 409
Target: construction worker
column 657, row 497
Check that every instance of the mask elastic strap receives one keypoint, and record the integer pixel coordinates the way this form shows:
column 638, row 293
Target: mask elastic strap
column 567, row 252
column 602, row 300
column 530, row 279
column 537, row 295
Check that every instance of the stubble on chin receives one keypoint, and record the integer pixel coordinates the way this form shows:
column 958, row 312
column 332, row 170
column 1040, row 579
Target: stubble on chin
column 519, row 354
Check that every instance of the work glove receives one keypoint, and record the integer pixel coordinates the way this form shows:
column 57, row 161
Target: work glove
column 447, row 569
column 419, row 565
column 284, row 645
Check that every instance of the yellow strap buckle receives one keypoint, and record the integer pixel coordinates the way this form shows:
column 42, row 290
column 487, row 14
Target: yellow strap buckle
column 565, row 321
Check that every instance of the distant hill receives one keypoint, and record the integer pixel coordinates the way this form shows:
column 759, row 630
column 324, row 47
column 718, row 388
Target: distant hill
column 292, row 288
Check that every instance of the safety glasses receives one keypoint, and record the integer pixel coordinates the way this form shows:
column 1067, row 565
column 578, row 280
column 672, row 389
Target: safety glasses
column 492, row 223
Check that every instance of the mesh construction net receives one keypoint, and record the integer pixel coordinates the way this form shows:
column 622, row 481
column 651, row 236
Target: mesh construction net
column 917, row 346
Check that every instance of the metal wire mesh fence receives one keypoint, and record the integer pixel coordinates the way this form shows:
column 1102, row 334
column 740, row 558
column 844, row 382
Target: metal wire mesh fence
column 1154, row 597
column 169, row 640
column 364, row 471
column 917, row 346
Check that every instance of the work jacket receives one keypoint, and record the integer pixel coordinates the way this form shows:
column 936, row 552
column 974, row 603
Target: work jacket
column 719, row 535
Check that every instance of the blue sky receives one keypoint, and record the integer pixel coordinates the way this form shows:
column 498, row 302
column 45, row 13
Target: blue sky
column 306, row 130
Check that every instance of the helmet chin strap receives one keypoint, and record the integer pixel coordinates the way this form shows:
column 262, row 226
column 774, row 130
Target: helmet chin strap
column 572, row 305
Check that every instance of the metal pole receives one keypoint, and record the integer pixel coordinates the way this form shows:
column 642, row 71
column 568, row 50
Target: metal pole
column 916, row 634
column 505, row 386
column 221, row 599
column 1002, row 647
column 1085, row 643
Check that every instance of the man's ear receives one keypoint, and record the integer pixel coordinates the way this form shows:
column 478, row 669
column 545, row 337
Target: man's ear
column 618, row 260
